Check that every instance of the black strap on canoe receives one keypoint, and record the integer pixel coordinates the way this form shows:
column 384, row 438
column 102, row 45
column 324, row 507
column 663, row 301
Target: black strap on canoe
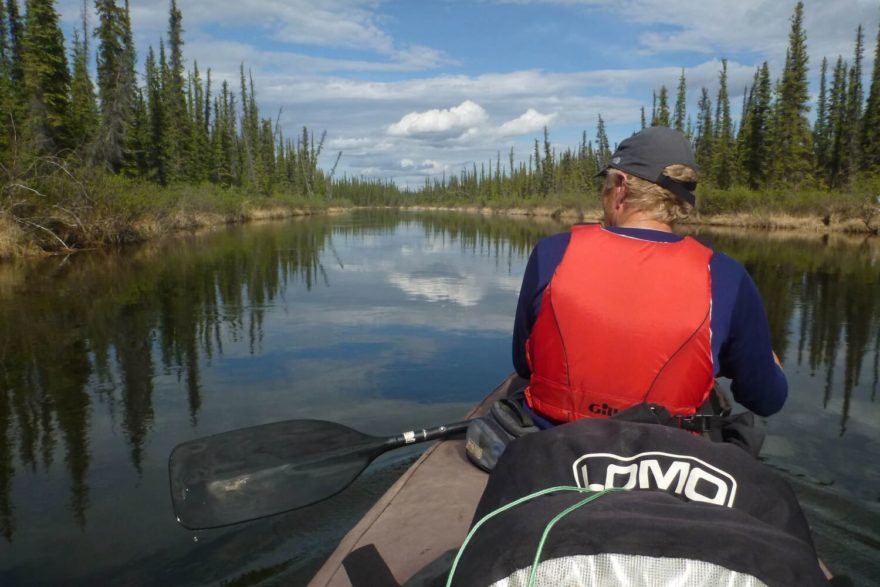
column 366, row 568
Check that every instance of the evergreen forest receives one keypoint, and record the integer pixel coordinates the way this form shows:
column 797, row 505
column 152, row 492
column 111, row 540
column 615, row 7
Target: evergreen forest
column 93, row 151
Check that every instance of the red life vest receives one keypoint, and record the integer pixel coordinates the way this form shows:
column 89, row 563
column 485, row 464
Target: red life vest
column 622, row 321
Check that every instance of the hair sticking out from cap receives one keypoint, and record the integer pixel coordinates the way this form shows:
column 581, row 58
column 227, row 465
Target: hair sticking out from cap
column 660, row 203
column 650, row 152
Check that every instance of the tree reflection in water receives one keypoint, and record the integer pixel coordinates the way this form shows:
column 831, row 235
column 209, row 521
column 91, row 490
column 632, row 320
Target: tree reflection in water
column 97, row 328
column 826, row 292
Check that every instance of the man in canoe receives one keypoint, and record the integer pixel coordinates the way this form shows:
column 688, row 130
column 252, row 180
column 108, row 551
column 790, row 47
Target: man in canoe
column 614, row 315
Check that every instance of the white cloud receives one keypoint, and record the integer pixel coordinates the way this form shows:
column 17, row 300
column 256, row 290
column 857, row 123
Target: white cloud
column 465, row 291
column 355, row 25
column 428, row 166
column 302, row 54
column 754, row 26
column 530, row 121
column 329, row 23
column 458, row 119
column 351, row 143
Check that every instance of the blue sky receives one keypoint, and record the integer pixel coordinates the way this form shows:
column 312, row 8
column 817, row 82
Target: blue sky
column 410, row 89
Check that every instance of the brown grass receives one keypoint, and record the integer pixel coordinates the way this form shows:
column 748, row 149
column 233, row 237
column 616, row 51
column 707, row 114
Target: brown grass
column 12, row 238
column 15, row 242
column 833, row 223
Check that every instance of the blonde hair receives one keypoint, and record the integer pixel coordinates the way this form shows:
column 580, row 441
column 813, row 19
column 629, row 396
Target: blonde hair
column 649, row 197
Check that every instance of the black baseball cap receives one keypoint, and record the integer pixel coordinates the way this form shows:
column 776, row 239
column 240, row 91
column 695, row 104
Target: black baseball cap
column 648, row 152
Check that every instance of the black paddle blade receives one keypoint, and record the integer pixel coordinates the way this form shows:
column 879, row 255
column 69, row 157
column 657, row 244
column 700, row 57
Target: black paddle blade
column 264, row 470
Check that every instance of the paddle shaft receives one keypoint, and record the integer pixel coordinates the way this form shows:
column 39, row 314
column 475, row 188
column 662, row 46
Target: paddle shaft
column 424, row 435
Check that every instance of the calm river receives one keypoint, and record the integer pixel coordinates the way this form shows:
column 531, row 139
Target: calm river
column 382, row 321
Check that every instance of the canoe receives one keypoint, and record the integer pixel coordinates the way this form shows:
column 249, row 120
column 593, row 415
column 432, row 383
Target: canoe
column 411, row 526
column 418, row 525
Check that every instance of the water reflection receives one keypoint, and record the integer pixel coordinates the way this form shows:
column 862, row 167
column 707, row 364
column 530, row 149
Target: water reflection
column 99, row 327
column 84, row 340
column 823, row 295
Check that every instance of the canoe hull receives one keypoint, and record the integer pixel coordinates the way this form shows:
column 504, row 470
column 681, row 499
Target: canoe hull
column 424, row 514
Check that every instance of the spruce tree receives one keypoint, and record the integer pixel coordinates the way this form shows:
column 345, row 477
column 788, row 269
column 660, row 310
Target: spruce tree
column 14, row 105
column 820, row 127
column 46, row 76
column 128, row 81
column 756, row 130
column 267, row 157
column 705, row 135
column 744, row 111
column 680, row 104
column 208, row 98
column 177, row 127
column 855, row 96
column 547, row 167
column 116, row 88
column 223, row 138
column 663, row 108
column 156, row 145
column 654, row 109
column 773, row 166
column 743, row 136
column 200, row 141
column 722, row 168
column 603, row 148
column 837, row 111
column 250, row 136
column 794, row 135
column 305, row 160
column 83, row 117
column 198, row 132
column 136, row 162
column 4, row 41
column 5, row 85
column 871, row 121
column 16, row 41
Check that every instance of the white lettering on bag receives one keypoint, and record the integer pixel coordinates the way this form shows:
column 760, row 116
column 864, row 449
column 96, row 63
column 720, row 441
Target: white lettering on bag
column 685, row 476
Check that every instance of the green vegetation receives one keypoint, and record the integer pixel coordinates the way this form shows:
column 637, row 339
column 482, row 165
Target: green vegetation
column 84, row 163
column 773, row 162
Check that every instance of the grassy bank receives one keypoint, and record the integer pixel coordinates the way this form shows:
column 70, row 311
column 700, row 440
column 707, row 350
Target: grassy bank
column 856, row 210
column 60, row 213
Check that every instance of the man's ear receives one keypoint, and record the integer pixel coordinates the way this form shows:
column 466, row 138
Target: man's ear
column 618, row 196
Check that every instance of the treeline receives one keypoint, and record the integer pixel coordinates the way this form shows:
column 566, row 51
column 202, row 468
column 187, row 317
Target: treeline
column 545, row 175
column 772, row 147
column 78, row 153
column 774, row 144
column 167, row 125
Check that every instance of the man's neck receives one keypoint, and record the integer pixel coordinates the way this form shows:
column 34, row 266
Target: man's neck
column 638, row 219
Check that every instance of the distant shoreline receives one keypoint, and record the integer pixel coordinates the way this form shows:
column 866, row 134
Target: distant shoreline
column 758, row 220
column 15, row 242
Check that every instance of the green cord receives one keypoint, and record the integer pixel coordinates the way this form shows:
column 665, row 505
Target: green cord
column 533, row 575
column 524, row 499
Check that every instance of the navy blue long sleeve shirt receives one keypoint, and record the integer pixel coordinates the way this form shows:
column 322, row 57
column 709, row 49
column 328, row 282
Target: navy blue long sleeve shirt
column 741, row 349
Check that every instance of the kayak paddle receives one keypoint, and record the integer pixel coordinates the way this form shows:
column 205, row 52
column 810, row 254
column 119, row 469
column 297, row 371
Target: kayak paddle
column 264, row 470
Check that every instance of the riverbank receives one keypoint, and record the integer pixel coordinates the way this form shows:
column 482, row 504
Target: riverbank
column 134, row 212
column 109, row 211
column 867, row 225
column 32, row 238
